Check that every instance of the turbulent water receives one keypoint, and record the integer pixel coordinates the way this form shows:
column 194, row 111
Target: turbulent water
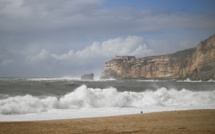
column 61, row 98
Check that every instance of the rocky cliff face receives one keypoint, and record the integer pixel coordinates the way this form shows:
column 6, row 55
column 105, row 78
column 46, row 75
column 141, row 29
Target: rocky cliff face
column 195, row 63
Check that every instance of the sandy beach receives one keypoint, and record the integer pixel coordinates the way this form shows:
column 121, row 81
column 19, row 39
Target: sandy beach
column 183, row 122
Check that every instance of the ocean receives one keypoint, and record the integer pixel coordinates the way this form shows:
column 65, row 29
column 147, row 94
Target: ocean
column 27, row 99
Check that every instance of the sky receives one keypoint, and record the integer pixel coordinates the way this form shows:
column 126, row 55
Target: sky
column 69, row 38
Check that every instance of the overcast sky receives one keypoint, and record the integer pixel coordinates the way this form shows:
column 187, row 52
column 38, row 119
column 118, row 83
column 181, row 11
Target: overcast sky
column 58, row 38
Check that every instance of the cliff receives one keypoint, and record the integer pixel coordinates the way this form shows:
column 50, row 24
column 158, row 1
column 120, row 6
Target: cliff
column 195, row 63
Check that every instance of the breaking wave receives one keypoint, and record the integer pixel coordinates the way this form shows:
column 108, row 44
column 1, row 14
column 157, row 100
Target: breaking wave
column 53, row 79
column 84, row 97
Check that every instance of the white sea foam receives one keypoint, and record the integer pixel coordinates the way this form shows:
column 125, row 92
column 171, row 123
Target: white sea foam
column 152, row 80
column 211, row 80
column 188, row 80
column 67, row 79
column 54, row 79
column 95, row 98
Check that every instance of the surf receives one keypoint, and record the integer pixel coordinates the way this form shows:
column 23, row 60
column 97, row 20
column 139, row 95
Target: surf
column 84, row 97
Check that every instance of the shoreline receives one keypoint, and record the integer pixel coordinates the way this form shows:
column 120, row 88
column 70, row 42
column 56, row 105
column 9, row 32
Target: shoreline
column 186, row 121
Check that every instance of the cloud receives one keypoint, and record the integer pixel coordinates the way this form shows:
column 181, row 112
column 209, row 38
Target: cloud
column 75, row 62
column 64, row 56
column 42, row 55
column 87, row 18
column 6, row 62
column 39, row 15
column 52, row 37
column 132, row 45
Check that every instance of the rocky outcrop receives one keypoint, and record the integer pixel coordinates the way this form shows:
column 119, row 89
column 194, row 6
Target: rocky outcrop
column 87, row 77
column 195, row 63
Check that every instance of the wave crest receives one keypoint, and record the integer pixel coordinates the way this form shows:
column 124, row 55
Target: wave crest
column 84, row 97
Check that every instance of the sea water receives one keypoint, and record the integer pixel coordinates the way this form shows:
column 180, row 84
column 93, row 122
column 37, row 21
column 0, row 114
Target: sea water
column 23, row 99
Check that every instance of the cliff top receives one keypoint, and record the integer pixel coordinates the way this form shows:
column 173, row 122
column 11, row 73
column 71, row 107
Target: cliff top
column 125, row 57
column 182, row 53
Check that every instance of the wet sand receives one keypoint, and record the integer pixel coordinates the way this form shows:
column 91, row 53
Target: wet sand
column 176, row 122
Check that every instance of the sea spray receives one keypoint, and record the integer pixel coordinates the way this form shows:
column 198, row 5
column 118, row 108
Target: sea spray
column 84, row 97
column 26, row 104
